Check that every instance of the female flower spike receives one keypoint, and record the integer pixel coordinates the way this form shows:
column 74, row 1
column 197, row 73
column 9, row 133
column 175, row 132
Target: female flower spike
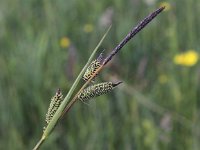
column 95, row 64
column 53, row 107
column 97, row 90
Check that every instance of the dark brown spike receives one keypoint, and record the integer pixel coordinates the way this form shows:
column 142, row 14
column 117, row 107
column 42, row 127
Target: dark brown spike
column 133, row 32
column 117, row 83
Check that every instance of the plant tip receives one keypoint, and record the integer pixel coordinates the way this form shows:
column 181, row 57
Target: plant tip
column 117, row 83
column 163, row 7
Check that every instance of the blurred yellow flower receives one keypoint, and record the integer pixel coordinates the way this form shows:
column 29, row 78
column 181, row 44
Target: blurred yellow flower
column 88, row 28
column 64, row 42
column 189, row 58
column 163, row 79
column 167, row 5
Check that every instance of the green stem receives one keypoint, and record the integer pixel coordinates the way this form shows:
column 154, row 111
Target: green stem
column 37, row 146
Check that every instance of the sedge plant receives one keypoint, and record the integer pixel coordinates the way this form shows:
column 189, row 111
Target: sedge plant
column 59, row 106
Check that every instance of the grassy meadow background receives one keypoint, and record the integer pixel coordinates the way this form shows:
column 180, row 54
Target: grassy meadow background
column 45, row 44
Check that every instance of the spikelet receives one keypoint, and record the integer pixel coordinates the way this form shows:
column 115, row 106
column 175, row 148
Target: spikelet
column 56, row 100
column 97, row 90
column 95, row 64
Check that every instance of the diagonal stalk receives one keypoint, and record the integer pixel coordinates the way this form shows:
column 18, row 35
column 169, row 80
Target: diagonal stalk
column 39, row 143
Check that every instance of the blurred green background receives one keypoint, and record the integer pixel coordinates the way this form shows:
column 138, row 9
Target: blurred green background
column 44, row 45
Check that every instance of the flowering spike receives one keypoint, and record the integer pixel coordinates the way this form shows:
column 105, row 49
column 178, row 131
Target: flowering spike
column 97, row 90
column 56, row 100
column 95, row 64
column 133, row 32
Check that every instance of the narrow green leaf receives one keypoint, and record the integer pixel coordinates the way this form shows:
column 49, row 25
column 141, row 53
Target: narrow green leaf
column 58, row 113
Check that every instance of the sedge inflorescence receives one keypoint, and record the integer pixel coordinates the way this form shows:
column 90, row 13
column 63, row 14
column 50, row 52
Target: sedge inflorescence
column 56, row 100
column 93, row 90
column 96, row 89
column 92, row 68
